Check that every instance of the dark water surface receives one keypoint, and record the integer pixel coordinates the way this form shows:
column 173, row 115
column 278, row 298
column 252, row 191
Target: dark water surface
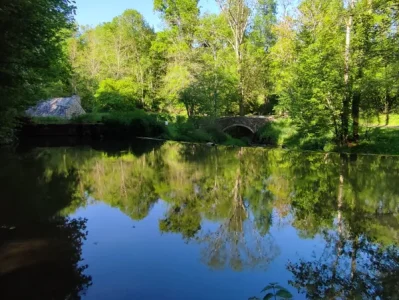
column 177, row 221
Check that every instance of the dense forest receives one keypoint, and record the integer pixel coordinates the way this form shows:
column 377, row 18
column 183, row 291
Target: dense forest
column 324, row 64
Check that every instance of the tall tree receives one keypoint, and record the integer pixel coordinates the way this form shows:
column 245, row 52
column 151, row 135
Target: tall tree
column 177, row 41
column 257, row 72
column 350, row 6
column 31, row 53
column 114, row 58
column 237, row 13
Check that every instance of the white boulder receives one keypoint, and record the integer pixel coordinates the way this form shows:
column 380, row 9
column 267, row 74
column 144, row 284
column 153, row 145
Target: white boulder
column 58, row 107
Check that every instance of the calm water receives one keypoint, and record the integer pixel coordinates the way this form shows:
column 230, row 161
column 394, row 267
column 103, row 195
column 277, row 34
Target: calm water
column 174, row 221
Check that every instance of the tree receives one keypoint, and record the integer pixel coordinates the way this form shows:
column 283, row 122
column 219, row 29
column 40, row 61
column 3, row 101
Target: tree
column 237, row 13
column 32, row 33
column 181, row 17
column 350, row 6
column 116, row 51
column 313, row 92
column 257, row 72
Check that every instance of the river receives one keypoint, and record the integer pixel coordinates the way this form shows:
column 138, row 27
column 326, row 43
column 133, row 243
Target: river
column 164, row 220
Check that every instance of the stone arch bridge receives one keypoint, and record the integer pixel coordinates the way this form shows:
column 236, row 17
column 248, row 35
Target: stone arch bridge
column 251, row 123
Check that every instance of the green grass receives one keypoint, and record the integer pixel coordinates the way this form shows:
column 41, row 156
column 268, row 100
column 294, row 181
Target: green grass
column 283, row 133
column 201, row 130
column 277, row 133
column 379, row 120
column 380, row 140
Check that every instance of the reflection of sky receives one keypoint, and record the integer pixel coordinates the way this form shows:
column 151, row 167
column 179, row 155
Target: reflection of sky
column 133, row 260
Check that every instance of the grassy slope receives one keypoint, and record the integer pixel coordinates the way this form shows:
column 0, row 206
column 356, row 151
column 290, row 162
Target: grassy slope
column 375, row 138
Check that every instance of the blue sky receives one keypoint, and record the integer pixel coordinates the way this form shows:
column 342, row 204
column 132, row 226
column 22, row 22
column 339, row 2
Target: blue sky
column 93, row 12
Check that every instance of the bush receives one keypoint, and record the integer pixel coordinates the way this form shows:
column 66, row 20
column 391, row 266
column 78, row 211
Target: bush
column 276, row 133
column 195, row 130
column 135, row 123
column 117, row 95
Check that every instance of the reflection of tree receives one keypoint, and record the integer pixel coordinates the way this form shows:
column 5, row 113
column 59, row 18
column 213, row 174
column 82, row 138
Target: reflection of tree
column 43, row 261
column 361, row 258
column 239, row 241
column 241, row 249
column 40, row 250
column 31, row 191
column 361, row 270
column 245, row 191
column 183, row 219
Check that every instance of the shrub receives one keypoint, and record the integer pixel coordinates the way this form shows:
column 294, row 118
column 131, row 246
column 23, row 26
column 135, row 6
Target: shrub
column 89, row 118
column 277, row 133
column 135, row 123
column 195, row 130
column 117, row 95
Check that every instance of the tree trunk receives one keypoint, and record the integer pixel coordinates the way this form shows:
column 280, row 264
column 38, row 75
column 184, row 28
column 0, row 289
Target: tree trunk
column 348, row 90
column 215, row 87
column 240, row 90
column 386, row 110
column 355, row 116
column 240, row 77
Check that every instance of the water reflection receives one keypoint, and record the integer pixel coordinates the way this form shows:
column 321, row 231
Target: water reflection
column 43, row 260
column 225, row 201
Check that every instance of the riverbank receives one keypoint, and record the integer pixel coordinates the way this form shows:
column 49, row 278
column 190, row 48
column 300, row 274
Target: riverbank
column 280, row 133
column 374, row 139
column 127, row 125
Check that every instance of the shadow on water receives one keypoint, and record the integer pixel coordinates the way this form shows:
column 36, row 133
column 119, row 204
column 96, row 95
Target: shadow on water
column 225, row 201
column 42, row 260
column 40, row 249
column 110, row 147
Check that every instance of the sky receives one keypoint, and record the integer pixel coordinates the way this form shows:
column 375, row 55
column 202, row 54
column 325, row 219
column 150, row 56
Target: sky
column 94, row 12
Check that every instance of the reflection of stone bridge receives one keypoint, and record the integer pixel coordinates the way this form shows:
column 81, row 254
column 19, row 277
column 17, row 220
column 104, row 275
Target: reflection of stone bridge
column 251, row 123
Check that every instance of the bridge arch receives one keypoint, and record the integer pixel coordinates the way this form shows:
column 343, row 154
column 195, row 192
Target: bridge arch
column 238, row 125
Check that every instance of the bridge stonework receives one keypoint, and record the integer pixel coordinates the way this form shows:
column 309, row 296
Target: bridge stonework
column 251, row 123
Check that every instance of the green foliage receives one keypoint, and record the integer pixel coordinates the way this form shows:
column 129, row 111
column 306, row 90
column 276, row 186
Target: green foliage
column 112, row 63
column 194, row 130
column 321, row 63
column 181, row 13
column 277, row 133
column 32, row 35
column 284, row 132
column 377, row 141
column 135, row 123
column 117, row 95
